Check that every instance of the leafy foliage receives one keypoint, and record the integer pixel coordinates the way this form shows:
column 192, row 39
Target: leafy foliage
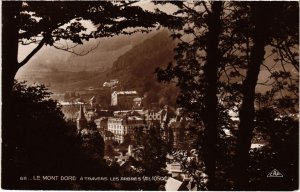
column 235, row 42
column 151, row 158
column 63, row 20
column 45, row 143
column 92, row 142
column 281, row 134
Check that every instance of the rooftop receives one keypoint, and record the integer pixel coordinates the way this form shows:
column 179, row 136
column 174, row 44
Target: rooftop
column 173, row 184
column 134, row 118
column 125, row 92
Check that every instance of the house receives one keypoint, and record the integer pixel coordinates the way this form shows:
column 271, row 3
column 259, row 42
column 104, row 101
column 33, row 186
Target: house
column 111, row 83
column 101, row 124
column 91, row 115
column 137, row 102
column 123, row 99
column 108, row 136
column 173, row 184
column 152, row 115
column 174, row 169
column 123, row 113
column 123, row 126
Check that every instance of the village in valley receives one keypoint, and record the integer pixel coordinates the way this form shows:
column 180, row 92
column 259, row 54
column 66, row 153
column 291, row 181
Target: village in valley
column 122, row 120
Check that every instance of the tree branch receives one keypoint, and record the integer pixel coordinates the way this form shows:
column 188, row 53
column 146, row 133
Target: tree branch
column 280, row 47
column 205, row 6
column 71, row 50
column 126, row 4
column 28, row 42
column 192, row 10
column 34, row 51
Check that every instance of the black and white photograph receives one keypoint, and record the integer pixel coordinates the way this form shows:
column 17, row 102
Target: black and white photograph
column 126, row 95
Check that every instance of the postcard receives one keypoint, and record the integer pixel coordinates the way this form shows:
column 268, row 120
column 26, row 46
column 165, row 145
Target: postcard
column 150, row 95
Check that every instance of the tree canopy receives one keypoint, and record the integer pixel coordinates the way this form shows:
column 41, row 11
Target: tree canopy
column 61, row 25
column 45, row 144
column 245, row 47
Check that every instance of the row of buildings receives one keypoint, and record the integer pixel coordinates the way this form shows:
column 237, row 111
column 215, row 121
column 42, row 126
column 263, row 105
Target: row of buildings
column 127, row 119
column 117, row 124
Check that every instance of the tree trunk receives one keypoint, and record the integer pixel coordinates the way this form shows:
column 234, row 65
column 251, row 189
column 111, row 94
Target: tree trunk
column 259, row 16
column 10, row 66
column 210, row 71
column 10, row 38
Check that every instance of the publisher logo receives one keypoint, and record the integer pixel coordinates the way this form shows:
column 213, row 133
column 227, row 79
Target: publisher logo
column 274, row 173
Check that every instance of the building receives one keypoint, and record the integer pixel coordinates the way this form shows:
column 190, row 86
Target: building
column 108, row 136
column 91, row 115
column 111, row 83
column 124, row 113
column 166, row 115
column 137, row 102
column 173, row 184
column 86, row 132
column 101, row 124
column 178, row 129
column 152, row 115
column 178, row 180
column 124, row 99
column 81, row 120
column 123, row 126
column 178, row 125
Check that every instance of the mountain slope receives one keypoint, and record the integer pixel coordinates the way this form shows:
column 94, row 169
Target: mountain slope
column 132, row 60
column 49, row 59
column 135, row 69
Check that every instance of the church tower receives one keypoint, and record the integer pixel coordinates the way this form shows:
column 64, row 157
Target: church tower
column 81, row 120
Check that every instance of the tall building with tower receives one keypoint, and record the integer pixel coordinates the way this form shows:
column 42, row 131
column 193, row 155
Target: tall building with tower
column 81, row 120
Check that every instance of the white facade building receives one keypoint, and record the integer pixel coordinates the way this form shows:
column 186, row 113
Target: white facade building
column 123, row 99
column 122, row 126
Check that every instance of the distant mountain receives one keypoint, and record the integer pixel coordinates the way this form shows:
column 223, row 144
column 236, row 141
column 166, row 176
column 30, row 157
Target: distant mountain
column 135, row 69
column 49, row 59
column 131, row 59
